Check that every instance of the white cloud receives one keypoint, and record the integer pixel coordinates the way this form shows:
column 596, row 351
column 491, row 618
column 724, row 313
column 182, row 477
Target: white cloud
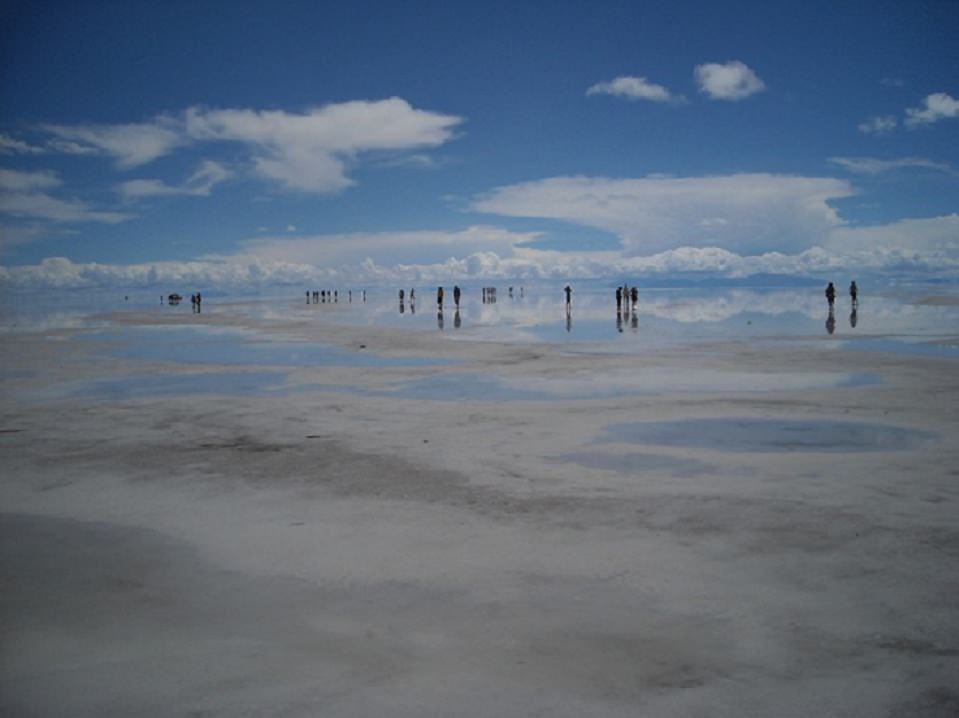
column 42, row 206
column 729, row 81
column 389, row 248
column 907, row 239
column 634, row 88
column 17, row 181
column 199, row 184
column 741, row 213
column 926, row 246
column 935, row 107
column 879, row 125
column 875, row 166
column 12, row 146
column 309, row 151
column 131, row 145
column 22, row 197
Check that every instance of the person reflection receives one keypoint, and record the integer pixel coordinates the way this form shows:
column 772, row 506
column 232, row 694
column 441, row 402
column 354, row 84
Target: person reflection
column 456, row 320
column 402, row 307
column 634, row 321
column 619, row 322
column 439, row 320
column 569, row 321
column 831, row 321
column 854, row 317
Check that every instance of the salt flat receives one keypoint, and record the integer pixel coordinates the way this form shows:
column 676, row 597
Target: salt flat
column 466, row 527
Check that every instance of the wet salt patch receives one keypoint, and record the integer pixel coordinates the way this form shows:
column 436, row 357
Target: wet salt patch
column 480, row 387
column 132, row 387
column 199, row 345
column 900, row 346
column 639, row 463
column 751, row 435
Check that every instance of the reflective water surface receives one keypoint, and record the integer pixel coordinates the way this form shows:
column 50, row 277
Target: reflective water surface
column 734, row 434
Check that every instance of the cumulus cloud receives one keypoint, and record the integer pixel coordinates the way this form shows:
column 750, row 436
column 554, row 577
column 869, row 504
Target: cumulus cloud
column 199, row 184
column 879, row 125
column 741, row 213
column 935, row 107
column 23, row 196
column 130, row 145
column 309, row 151
column 634, row 88
column 732, row 80
column 390, row 248
column 927, row 246
column 875, row 166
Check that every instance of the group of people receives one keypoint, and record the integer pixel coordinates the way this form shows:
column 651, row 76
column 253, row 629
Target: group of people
column 853, row 294
column 196, row 300
column 854, row 303
column 625, row 295
column 326, row 295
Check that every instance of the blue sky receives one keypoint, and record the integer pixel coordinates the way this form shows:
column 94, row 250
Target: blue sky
column 249, row 142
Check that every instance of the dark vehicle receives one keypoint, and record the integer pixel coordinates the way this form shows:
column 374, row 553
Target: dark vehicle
column 174, row 299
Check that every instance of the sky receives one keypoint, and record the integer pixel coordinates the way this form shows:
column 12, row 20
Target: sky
column 243, row 143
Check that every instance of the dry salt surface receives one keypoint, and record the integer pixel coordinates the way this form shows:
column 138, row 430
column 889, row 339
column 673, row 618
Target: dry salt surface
column 318, row 540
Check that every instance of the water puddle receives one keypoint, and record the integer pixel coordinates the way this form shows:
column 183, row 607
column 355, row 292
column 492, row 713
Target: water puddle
column 134, row 387
column 768, row 435
column 588, row 385
column 898, row 346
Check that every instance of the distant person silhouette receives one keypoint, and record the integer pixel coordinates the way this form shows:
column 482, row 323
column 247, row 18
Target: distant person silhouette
column 193, row 302
column 831, row 295
column 619, row 298
column 634, row 295
column 456, row 295
column 569, row 297
column 854, row 293
column 412, row 295
column 439, row 297
column 401, row 296
column 199, row 300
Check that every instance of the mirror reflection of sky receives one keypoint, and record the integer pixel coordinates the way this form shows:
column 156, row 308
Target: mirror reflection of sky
column 887, row 319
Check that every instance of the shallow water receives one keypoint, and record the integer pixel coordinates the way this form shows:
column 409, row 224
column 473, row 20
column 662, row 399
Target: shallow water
column 586, row 385
column 136, row 386
column 205, row 345
column 767, row 435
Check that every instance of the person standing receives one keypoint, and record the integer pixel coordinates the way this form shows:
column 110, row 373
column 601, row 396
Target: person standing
column 831, row 295
column 439, row 297
column 854, row 293
column 619, row 299
column 635, row 297
column 456, row 296
column 569, row 297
